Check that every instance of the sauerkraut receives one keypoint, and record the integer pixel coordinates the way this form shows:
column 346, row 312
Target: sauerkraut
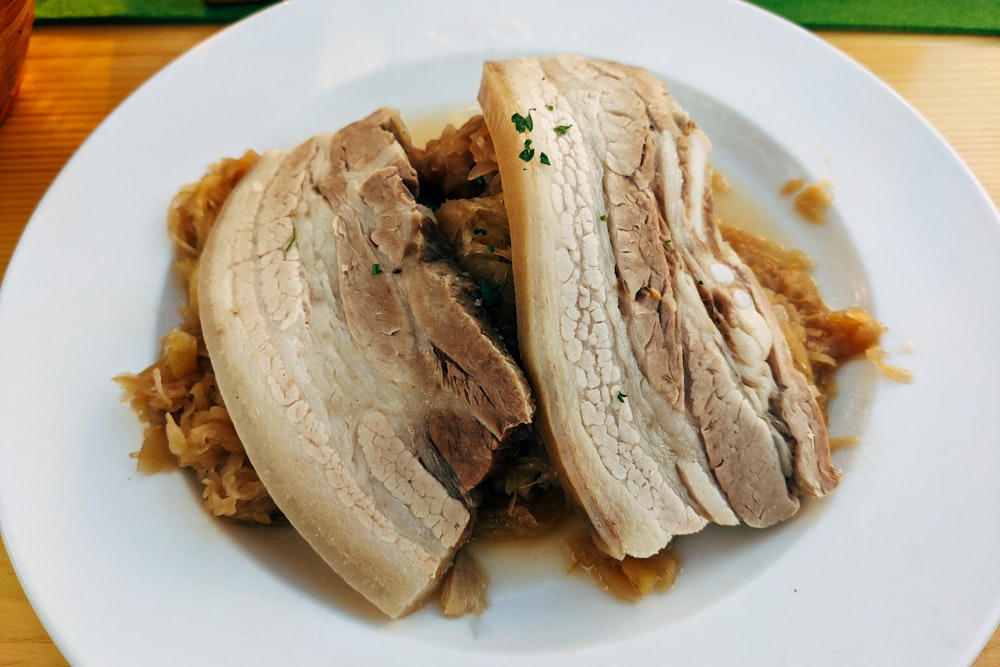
column 187, row 425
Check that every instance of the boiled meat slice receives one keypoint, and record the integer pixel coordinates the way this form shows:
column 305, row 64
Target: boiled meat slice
column 368, row 394
column 666, row 392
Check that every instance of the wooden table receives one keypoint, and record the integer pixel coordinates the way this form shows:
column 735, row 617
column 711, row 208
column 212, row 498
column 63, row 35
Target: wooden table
column 78, row 74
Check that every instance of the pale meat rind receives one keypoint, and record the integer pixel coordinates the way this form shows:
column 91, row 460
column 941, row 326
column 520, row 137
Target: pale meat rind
column 332, row 375
column 665, row 389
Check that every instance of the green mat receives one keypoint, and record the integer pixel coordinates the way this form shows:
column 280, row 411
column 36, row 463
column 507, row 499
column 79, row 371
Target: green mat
column 954, row 16
column 141, row 11
column 950, row 16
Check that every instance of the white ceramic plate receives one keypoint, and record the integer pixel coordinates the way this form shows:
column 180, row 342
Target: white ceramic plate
column 899, row 566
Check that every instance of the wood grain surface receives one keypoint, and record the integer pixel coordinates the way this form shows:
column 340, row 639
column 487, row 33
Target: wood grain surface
column 76, row 76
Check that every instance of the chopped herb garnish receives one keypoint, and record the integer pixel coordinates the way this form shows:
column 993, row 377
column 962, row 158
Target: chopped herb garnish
column 490, row 249
column 701, row 282
column 522, row 123
column 543, row 158
column 291, row 241
column 604, row 218
column 562, row 129
column 479, row 231
column 479, row 180
column 528, row 151
column 376, row 269
column 491, row 292
column 622, row 397
column 549, row 107
column 666, row 243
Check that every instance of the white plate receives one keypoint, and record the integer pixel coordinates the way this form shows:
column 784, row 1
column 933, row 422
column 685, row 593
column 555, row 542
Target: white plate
column 899, row 566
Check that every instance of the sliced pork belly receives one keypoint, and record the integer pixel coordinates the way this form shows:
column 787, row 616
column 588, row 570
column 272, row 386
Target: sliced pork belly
column 666, row 392
column 369, row 396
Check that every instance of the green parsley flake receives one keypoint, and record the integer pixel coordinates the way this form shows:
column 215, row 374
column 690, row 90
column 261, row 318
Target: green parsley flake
column 490, row 249
column 528, row 151
column 376, row 269
column 562, row 129
column 291, row 241
column 604, row 218
column 622, row 397
column 543, row 158
column 549, row 107
column 491, row 292
column 522, row 123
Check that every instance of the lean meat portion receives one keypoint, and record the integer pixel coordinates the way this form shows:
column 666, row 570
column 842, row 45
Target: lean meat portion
column 369, row 396
column 666, row 392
